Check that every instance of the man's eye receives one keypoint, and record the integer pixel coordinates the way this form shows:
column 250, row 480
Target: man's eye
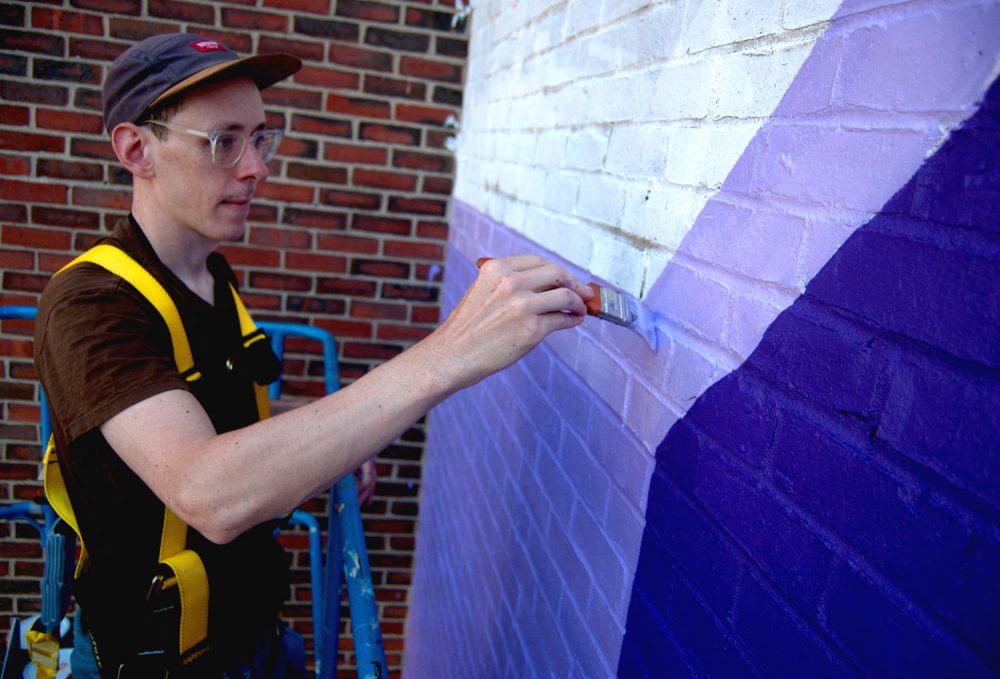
column 263, row 140
column 226, row 142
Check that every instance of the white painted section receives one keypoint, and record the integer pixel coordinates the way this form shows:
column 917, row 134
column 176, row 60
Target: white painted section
column 619, row 119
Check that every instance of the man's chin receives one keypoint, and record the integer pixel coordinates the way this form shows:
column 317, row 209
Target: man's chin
column 234, row 237
column 231, row 225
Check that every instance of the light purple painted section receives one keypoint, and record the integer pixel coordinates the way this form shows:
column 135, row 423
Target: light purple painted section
column 877, row 95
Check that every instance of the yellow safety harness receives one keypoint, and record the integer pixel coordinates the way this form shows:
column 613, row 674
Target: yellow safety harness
column 184, row 568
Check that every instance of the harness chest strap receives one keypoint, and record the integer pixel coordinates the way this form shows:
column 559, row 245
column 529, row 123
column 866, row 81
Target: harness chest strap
column 185, row 564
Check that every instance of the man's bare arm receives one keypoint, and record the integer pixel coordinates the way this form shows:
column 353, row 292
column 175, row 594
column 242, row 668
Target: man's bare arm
column 223, row 484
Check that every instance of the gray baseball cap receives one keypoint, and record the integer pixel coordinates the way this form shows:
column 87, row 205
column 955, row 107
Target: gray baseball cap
column 162, row 66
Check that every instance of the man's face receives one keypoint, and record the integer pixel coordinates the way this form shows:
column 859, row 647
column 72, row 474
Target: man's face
column 193, row 192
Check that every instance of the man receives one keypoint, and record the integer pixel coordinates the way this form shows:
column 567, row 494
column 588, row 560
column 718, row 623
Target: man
column 186, row 119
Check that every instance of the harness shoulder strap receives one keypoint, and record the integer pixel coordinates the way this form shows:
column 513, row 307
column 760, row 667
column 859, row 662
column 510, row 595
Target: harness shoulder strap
column 251, row 335
column 119, row 263
column 115, row 260
column 174, row 534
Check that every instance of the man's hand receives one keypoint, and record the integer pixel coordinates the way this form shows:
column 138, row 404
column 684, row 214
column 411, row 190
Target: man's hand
column 512, row 305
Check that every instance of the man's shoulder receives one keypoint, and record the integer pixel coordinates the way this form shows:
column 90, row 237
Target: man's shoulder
column 86, row 280
column 86, row 300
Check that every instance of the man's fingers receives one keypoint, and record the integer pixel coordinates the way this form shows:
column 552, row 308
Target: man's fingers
column 512, row 264
column 535, row 273
column 559, row 300
column 559, row 320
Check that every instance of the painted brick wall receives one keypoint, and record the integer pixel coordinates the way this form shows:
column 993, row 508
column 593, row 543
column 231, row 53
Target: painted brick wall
column 348, row 234
column 801, row 480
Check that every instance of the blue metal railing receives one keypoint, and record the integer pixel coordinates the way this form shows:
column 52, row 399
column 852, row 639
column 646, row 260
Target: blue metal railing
column 346, row 553
column 28, row 511
column 29, row 313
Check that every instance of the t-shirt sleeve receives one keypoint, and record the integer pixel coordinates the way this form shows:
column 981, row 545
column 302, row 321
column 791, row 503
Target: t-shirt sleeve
column 100, row 348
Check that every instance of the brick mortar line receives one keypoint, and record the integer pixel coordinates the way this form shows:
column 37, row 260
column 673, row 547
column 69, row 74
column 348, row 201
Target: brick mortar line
column 834, row 116
column 794, row 38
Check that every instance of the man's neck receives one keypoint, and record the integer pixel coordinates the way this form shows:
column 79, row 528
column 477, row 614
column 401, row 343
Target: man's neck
column 182, row 250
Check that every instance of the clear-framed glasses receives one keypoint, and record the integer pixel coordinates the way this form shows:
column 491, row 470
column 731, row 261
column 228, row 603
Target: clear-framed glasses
column 228, row 146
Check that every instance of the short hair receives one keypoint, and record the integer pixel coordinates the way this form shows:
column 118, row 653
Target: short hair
column 163, row 113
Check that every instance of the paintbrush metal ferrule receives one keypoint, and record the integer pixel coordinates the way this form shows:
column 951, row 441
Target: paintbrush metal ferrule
column 624, row 310
column 615, row 308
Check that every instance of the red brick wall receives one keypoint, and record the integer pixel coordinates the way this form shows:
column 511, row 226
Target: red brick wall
column 348, row 234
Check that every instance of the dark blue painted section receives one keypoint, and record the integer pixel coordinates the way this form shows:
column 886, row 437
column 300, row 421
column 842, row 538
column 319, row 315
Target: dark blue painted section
column 832, row 507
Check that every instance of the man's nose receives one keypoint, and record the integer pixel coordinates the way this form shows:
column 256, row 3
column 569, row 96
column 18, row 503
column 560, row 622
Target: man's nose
column 251, row 164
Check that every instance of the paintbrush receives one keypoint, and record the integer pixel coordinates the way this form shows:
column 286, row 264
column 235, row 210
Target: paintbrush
column 618, row 307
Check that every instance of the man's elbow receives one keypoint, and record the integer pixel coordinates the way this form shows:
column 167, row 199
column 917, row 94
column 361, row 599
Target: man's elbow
column 216, row 524
column 219, row 534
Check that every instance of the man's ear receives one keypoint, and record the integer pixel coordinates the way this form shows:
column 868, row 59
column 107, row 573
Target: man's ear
column 131, row 145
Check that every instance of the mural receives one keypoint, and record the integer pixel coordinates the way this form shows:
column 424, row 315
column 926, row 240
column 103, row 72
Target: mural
column 830, row 507
column 823, row 499
column 850, row 461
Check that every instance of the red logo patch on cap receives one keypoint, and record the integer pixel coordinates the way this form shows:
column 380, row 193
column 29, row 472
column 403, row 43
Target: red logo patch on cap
column 209, row 46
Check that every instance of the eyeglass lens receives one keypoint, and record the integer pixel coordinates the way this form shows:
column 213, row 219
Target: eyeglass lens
column 228, row 147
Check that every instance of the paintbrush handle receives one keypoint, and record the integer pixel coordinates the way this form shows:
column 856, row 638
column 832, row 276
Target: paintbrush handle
column 594, row 303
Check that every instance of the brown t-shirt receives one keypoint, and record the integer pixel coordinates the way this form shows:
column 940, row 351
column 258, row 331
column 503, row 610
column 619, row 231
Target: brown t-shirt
column 100, row 347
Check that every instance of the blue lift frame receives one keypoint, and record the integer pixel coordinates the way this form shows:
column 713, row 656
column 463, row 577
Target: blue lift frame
column 346, row 555
column 28, row 511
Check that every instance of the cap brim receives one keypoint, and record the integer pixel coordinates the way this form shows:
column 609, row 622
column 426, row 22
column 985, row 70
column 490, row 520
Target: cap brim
column 264, row 69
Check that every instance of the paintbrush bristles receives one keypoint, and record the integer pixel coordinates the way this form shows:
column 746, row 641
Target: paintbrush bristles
column 626, row 311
